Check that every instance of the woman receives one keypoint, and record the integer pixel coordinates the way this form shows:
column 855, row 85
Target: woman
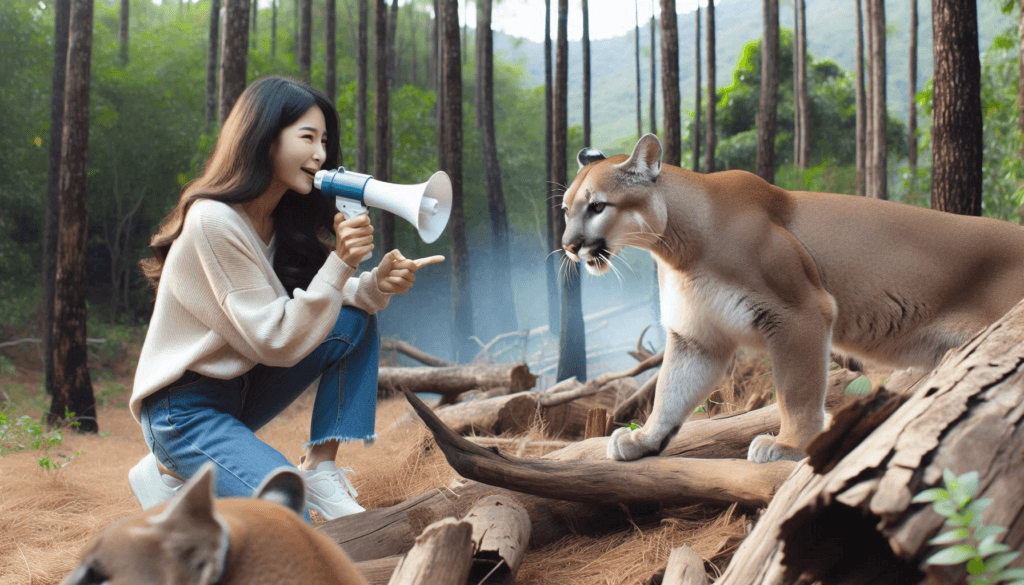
column 253, row 304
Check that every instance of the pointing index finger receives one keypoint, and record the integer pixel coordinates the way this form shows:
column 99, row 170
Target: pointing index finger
column 421, row 262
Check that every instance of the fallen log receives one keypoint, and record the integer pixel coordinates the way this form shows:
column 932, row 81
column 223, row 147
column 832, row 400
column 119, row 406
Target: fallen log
column 455, row 379
column 648, row 480
column 967, row 415
column 441, row 556
column 378, row 571
column 684, row 567
column 413, row 352
column 501, row 533
column 514, row 413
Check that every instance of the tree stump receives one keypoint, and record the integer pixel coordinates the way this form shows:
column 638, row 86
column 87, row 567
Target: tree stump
column 855, row 523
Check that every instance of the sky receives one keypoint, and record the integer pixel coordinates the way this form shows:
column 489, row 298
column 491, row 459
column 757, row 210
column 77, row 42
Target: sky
column 608, row 18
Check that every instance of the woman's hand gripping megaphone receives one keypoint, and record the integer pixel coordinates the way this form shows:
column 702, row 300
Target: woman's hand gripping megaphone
column 396, row 273
column 354, row 238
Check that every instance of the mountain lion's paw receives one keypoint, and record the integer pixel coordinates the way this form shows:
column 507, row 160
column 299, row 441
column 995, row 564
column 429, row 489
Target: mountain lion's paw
column 766, row 448
column 626, row 445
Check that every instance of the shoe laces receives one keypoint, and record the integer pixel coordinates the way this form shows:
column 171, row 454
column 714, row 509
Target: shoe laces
column 340, row 477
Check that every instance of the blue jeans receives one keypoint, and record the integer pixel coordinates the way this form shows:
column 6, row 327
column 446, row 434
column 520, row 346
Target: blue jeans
column 198, row 419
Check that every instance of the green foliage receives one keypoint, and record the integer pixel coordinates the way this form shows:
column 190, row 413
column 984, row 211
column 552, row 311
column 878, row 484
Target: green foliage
column 970, row 541
column 859, row 386
column 27, row 434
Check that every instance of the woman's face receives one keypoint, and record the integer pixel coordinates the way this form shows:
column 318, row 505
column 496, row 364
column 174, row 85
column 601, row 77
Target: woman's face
column 299, row 151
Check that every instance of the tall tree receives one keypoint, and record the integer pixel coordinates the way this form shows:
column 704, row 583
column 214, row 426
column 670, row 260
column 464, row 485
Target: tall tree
column 572, row 351
column 696, row 83
column 462, row 307
column 586, row 74
column 503, row 300
column 673, row 152
column 956, row 109
column 233, row 54
column 877, row 147
column 362, row 67
column 710, row 138
column 912, row 101
column 1020, row 76
column 305, row 38
column 654, row 73
column 252, row 34
column 382, row 112
column 72, row 385
column 123, row 56
column 767, row 106
column 551, row 266
column 330, row 76
column 393, row 60
column 212, row 45
column 61, row 15
column 861, row 100
column 636, row 39
column 796, row 83
column 805, row 102
column 273, row 27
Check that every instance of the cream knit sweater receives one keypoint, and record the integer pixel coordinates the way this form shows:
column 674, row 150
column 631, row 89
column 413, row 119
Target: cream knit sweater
column 220, row 308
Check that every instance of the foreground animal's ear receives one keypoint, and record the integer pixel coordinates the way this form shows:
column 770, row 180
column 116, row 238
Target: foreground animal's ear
column 284, row 486
column 196, row 538
column 589, row 155
column 645, row 162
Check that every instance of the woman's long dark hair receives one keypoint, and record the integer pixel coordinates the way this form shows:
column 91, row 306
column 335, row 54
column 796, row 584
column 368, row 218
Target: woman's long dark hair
column 240, row 170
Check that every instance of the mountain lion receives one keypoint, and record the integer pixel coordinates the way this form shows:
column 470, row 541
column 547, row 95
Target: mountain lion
column 196, row 540
column 798, row 274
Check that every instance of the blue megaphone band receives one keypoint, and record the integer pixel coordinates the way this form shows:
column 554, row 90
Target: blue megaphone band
column 342, row 183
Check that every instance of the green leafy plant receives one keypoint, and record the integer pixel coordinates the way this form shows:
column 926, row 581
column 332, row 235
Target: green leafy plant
column 859, row 386
column 970, row 540
column 25, row 433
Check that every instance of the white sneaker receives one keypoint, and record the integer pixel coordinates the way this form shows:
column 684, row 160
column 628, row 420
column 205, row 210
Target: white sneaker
column 149, row 485
column 330, row 492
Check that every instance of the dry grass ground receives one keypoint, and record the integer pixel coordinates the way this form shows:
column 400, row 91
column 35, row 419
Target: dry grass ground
column 46, row 518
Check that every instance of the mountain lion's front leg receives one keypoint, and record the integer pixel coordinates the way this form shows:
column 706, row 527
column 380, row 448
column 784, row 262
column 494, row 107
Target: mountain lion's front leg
column 687, row 376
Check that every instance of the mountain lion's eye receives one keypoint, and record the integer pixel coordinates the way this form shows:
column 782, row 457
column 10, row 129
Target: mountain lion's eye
column 597, row 207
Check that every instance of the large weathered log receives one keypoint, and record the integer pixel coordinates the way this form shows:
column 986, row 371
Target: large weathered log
column 684, row 567
column 456, row 379
column 378, row 571
column 514, row 414
column 649, row 480
column 413, row 352
column 442, row 556
column 501, row 532
column 968, row 415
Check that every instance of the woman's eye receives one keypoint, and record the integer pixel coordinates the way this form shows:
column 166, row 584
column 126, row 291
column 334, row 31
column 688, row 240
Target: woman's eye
column 597, row 207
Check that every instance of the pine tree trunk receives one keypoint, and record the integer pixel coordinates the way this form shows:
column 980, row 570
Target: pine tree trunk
column 62, row 13
column 233, row 54
column 123, row 33
column 305, row 38
column 462, row 307
column 956, row 109
column 673, row 147
column 1020, row 73
column 362, row 74
column 212, row 46
column 394, row 62
column 503, row 301
column 572, row 354
column 877, row 146
column 654, row 74
column 382, row 113
column 805, row 102
column 551, row 264
column 586, row 73
column 696, row 84
column 861, row 99
column 72, row 386
column 330, row 76
column 253, row 33
column 912, row 102
column 273, row 28
column 796, row 84
column 709, row 137
column 767, row 106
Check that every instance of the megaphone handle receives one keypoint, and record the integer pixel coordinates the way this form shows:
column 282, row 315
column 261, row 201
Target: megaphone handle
column 349, row 207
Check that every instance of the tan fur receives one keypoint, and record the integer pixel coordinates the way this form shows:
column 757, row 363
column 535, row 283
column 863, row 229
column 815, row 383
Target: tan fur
column 796, row 273
column 183, row 542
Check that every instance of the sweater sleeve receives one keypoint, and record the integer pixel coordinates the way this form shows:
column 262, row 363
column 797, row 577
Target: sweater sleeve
column 362, row 292
column 272, row 328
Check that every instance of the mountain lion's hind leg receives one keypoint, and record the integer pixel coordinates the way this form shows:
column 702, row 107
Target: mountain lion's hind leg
column 687, row 376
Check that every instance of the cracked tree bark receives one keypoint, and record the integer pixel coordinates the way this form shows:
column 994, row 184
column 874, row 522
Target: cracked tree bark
column 968, row 414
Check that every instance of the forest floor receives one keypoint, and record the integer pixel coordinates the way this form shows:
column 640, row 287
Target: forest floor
column 47, row 517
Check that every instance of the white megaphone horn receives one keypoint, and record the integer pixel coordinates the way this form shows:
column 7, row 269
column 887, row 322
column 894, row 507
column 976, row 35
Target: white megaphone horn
column 426, row 206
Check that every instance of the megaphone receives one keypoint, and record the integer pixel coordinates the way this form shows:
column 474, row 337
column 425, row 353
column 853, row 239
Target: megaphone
column 426, row 206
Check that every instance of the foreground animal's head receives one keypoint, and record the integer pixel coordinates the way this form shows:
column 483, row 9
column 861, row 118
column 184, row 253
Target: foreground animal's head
column 611, row 204
column 196, row 540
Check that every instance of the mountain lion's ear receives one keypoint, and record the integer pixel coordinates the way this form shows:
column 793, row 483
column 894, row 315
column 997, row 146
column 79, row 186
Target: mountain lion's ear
column 589, row 155
column 284, row 486
column 194, row 535
column 645, row 162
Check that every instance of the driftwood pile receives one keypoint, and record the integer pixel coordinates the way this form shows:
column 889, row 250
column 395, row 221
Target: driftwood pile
column 844, row 515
